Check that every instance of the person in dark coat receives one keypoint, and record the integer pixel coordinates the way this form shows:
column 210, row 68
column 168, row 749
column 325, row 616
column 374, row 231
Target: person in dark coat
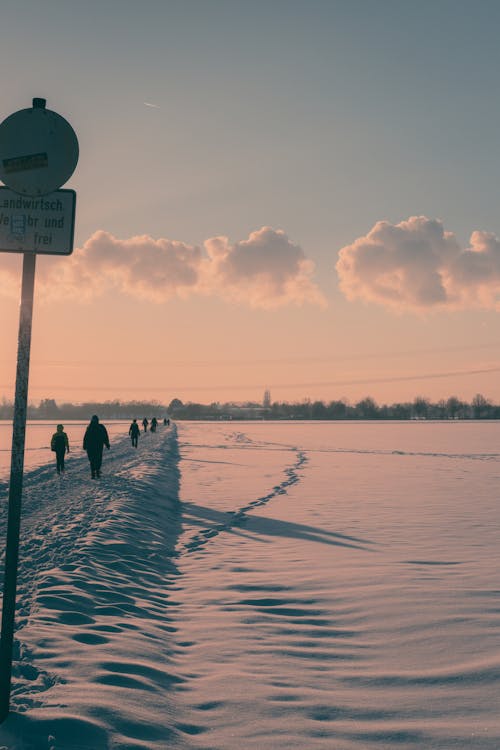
column 145, row 424
column 134, row 432
column 96, row 437
column 154, row 423
column 60, row 445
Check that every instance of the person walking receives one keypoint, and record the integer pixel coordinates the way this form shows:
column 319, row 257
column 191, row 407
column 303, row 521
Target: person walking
column 154, row 423
column 60, row 445
column 145, row 424
column 96, row 437
column 134, row 432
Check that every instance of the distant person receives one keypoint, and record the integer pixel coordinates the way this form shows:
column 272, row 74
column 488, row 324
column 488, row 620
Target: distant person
column 134, row 432
column 60, row 445
column 154, row 424
column 96, row 437
column 145, row 424
column 166, row 422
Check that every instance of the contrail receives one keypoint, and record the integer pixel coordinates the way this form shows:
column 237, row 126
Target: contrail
column 149, row 104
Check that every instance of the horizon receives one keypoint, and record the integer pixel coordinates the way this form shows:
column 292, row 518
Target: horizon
column 54, row 405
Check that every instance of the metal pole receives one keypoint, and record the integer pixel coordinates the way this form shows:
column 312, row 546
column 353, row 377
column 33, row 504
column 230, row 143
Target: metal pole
column 16, row 481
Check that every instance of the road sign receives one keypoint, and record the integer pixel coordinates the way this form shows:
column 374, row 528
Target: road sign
column 38, row 154
column 41, row 225
column 38, row 150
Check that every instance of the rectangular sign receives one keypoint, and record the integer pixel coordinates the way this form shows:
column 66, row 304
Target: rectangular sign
column 44, row 224
column 21, row 163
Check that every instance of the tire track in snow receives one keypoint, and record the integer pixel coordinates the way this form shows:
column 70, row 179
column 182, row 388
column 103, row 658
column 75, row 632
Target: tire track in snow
column 238, row 517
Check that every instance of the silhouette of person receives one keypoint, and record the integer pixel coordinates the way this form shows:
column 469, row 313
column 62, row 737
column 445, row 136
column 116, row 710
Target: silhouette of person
column 96, row 437
column 145, row 424
column 60, row 445
column 134, row 432
column 154, row 423
column 165, row 421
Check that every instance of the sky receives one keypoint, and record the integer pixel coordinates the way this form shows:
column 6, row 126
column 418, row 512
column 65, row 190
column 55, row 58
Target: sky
column 294, row 196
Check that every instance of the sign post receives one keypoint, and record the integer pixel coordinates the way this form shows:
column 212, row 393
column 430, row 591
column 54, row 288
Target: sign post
column 38, row 154
column 16, row 481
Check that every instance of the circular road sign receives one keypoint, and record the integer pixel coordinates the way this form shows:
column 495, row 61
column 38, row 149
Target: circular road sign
column 38, row 150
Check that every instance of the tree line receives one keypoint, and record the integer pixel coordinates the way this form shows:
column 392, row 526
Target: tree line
column 48, row 408
column 367, row 408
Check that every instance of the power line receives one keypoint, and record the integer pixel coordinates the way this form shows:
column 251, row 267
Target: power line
column 247, row 386
column 270, row 361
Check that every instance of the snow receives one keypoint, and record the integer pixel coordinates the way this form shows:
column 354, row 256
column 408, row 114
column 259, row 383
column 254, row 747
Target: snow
column 93, row 595
column 263, row 585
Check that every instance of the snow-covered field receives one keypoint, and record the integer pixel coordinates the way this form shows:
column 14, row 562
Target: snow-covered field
column 263, row 585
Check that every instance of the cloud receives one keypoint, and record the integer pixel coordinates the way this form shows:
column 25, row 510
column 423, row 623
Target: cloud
column 266, row 270
column 141, row 267
column 417, row 265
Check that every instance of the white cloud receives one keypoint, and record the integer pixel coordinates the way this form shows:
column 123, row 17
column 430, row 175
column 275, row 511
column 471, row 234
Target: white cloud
column 418, row 265
column 138, row 266
column 266, row 270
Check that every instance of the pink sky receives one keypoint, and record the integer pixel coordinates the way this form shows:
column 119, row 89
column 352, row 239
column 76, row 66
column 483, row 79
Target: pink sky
column 307, row 204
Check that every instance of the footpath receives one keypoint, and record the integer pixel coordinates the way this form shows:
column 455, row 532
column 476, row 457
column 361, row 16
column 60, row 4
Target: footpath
column 94, row 599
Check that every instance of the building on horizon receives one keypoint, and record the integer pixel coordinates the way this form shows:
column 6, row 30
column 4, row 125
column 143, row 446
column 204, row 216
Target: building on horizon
column 266, row 402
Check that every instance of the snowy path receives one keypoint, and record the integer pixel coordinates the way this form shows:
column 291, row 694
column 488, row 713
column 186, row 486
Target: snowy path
column 94, row 612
